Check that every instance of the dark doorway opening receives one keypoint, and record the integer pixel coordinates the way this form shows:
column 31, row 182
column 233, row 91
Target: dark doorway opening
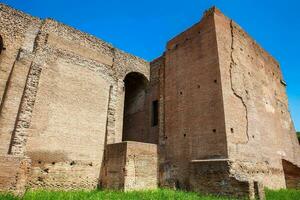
column 134, row 122
column 291, row 174
column 1, row 45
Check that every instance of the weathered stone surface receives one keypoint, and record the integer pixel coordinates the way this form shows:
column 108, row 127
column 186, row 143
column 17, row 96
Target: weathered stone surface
column 193, row 106
column 211, row 114
column 259, row 129
column 130, row 166
column 213, row 176
column 14, row 173
column 62, row 98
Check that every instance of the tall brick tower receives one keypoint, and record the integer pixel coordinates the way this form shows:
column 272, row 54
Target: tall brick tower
column 226, row 126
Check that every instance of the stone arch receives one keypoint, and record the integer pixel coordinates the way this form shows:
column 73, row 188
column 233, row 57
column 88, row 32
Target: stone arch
column 134, row 116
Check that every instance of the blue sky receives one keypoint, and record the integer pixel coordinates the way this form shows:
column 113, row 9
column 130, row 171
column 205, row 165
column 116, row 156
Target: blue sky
column 142, row 27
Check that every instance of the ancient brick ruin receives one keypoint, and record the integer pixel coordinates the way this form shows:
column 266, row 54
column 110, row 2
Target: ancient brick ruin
column 210, row 115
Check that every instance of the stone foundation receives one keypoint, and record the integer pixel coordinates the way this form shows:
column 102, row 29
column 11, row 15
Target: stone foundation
column 130, row 166
column 13, row 173
column 213, row 176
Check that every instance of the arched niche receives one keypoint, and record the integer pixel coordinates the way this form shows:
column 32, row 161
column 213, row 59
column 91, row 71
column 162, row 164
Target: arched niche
column 134, row 119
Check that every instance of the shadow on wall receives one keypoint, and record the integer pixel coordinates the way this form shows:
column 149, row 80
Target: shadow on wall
column 1, row 45
column 134, row 124
column 291, row 174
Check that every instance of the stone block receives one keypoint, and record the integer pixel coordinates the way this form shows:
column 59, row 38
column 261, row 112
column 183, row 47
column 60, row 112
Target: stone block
column 130, row 166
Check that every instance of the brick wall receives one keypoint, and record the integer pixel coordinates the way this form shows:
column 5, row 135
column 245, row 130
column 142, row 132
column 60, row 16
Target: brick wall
column 194, row 117
column 259, row 127
column 13, row 173
column 130, row 166
column 17, row 30
column 220, row 96
column 62, row 98
column 213, row 176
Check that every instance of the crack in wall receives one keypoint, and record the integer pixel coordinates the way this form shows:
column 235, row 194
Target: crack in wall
column 232, row 64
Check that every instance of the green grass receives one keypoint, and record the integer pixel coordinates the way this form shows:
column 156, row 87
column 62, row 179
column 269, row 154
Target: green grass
column 283, row 194
column 142, row 195
column 298, row 134
column 112, row 195
column 8, row 197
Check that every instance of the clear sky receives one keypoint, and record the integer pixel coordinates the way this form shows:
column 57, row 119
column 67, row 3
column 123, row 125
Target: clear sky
column 142, row 27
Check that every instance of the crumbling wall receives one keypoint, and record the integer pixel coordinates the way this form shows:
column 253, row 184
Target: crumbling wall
column 18, row 32
column 220, row 96
column 259, row 128
column 214, row 176
column 62, row 99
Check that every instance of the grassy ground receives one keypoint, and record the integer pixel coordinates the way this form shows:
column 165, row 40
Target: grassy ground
column 112, row 195
column 283, row 195
column 145, row 195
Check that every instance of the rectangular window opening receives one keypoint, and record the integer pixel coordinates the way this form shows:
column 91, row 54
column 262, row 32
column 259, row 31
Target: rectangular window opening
column 154, row 118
